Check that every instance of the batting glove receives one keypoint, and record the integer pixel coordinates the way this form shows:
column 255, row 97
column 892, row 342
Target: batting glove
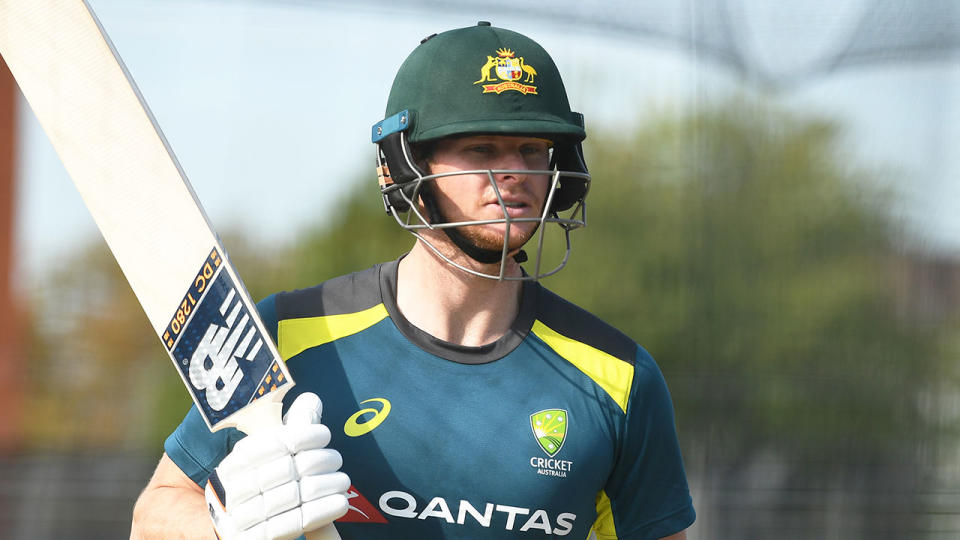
column 280, row 482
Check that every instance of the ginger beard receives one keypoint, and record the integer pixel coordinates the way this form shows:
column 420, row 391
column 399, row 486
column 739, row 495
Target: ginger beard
column 472, row 197
column 521, row 202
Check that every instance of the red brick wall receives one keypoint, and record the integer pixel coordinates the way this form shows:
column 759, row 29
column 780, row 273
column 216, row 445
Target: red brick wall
column 11, row 342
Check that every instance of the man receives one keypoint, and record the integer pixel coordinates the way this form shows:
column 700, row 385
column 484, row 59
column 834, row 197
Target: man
column 465, row 399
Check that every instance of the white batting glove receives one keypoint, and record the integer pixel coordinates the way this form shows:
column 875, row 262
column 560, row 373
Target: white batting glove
column 280, row 482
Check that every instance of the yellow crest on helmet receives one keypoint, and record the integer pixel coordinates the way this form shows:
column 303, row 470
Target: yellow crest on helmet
column 505, row 72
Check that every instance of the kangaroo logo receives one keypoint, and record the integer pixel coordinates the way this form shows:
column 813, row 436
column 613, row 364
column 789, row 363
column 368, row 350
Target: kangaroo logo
column 486, row 69
column 509, row 69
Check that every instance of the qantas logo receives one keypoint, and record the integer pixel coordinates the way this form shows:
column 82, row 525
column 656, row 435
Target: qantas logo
column 404, row 505
column 360, row 510
column 511, row 518
column 355, row 427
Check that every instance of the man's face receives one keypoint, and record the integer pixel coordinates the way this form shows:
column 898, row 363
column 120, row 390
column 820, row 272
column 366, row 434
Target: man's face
column 471, row 197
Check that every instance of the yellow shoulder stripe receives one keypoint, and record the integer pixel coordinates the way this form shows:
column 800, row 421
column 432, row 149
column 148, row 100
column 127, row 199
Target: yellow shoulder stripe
column 297, row 335
column 612, row 374
column 604, row 528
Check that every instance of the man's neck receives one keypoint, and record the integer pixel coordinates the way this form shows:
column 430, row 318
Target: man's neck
column 451, row 304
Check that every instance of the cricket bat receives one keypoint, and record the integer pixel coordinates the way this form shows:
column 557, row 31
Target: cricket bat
column 143, row 204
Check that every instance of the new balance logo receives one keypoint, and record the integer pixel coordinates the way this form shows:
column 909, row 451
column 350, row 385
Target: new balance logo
column 213, row 366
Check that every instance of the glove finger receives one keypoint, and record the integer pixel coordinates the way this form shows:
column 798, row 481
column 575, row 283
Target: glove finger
column 307, row 437
column 245, row 485
column 319, row 461
column 315, row 487
column 285, row 526
column 254, row 449
column 282, row 498
column 292, row 523
column 257, row 532
column 275, row 473
column 264, row 507
column 248, row 513
column 238, row 488
column 322, row 511
column 305, row 409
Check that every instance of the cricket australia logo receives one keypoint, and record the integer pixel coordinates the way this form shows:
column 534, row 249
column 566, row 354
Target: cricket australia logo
column 550, row 431
column 508, row 70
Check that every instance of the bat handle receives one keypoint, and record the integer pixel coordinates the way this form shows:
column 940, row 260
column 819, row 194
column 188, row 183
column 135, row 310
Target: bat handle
column 259, row 415
column 324, row 533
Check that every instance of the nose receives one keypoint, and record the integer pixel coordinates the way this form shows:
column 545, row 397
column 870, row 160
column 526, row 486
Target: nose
column 512, row 161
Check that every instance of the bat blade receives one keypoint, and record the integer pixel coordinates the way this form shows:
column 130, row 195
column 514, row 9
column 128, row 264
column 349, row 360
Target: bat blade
column 142, row 202
column 108, row 143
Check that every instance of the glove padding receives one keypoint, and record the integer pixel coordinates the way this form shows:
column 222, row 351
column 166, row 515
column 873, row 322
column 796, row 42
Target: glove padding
column 280, row 482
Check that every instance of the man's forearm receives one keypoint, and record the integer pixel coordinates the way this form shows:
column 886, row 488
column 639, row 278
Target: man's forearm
column 171, row 506
column 171, row 513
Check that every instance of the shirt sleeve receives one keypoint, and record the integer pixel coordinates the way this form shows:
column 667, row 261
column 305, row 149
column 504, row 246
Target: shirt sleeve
column 192, row 446
column 646, row 496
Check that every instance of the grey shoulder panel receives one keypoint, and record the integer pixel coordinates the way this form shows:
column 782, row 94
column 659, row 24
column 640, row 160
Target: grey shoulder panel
column 345, row 294
column 576, row 323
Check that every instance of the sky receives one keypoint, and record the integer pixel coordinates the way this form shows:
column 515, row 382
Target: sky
column 268, row 107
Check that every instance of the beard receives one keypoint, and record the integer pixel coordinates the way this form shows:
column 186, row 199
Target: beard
column 492, row 240
column 482, row 243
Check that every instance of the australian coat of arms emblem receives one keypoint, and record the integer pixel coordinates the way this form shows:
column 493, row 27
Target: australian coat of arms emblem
column 505, row 71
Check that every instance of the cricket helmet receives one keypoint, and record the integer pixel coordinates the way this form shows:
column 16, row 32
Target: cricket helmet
column 479, row 80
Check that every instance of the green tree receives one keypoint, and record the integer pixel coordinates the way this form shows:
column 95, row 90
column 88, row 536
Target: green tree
column 97, row 370
column 757, row 265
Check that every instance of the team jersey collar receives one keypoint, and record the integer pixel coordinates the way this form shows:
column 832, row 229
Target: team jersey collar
column 459, row 353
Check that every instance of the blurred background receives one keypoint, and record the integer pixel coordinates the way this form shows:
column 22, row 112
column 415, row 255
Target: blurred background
column 774, row 216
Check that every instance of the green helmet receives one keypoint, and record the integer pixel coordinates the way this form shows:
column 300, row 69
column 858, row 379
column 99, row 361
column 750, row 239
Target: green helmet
column 470, row 81
column 482, row 79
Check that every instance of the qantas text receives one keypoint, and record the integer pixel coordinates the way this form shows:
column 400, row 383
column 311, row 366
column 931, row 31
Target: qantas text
column 404, row 505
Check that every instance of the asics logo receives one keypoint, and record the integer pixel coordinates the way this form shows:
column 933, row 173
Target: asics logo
column 354, row 427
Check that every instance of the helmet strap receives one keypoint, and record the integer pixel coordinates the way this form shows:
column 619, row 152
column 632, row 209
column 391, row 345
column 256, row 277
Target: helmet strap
column 475, row 252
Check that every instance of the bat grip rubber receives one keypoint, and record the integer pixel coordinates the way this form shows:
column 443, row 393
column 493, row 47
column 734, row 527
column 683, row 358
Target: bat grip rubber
column 260, row 415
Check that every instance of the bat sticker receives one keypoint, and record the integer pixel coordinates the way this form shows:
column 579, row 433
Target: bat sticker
column 218, row 348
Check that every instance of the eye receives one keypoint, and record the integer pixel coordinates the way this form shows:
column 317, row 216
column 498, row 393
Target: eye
column 480, row 149
column 535, row 147
column 535, row 150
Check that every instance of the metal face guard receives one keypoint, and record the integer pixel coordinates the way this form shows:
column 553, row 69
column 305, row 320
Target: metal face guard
column 414, row 221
